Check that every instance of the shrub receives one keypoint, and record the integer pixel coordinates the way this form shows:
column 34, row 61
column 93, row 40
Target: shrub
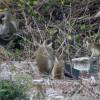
column 11, row 91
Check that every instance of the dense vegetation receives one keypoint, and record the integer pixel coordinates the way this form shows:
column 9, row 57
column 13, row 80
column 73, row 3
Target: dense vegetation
column 11, row 91
column 64, row 22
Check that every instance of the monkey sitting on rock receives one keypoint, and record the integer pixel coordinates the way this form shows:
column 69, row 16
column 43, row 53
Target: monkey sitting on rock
column 44, row 58
column 58, row 69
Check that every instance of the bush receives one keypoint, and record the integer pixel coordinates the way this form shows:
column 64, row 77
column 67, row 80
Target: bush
column 11, row 91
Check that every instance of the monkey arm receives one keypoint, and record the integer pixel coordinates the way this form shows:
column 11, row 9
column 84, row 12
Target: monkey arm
column 4, row 31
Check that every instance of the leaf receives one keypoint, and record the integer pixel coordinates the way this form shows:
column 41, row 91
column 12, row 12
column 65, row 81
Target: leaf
column 69, row 37
column 3, row 90
column 52, row 31
column 62, row 2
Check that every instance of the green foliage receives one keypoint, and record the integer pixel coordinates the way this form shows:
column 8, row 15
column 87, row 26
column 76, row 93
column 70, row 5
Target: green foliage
column 60, row 2
column 22, row 3
column 17, row 53
column 26, row 5
column 11, row 91
column 75, row 27
column 25, row 79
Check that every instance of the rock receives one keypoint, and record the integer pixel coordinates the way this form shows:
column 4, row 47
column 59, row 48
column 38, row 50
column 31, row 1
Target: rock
column 54, row 94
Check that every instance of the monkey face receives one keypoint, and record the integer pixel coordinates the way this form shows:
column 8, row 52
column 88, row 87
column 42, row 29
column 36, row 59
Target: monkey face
column 4, row 17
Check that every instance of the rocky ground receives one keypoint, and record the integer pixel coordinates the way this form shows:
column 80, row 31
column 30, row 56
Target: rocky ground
column 47, row 89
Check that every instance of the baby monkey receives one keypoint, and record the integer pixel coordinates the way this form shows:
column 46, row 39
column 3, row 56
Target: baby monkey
column 92, row 45
column 58, row 69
